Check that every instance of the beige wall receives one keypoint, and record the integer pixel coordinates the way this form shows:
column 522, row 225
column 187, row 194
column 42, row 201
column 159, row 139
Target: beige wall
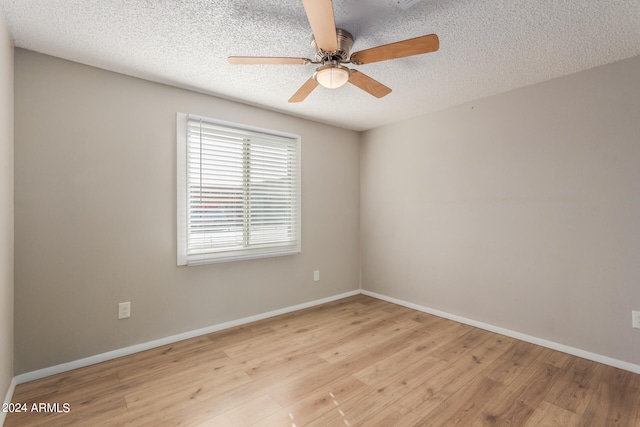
column 6, row 210
column 95, row 220
column 521, row 210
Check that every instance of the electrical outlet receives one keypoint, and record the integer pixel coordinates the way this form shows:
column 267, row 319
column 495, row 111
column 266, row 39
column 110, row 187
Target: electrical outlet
column 124, row 310
column 635, row 316
column 316, row 276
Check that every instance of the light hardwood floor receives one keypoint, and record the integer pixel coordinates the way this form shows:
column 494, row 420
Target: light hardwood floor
column 353, row 362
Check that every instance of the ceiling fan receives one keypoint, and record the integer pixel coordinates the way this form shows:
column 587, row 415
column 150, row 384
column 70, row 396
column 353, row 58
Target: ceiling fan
column 332, row 46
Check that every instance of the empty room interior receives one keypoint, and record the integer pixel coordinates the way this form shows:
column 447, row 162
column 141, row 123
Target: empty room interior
column 323, row 213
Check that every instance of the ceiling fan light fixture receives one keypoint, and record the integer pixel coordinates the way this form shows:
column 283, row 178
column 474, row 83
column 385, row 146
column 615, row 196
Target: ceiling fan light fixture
column 332, row 75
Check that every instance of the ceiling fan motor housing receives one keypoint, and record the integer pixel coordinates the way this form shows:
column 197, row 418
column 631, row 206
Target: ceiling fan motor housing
column 345, row 43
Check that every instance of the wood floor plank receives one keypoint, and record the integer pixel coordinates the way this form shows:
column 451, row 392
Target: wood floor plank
column 323, row 400
column 392, row 416
column 259, row 344
column 456, row 375
column 508, row 366
column 358, row 361
column 374, row 399
column 240, row 334
column 377, row 334
column 462, row 344
column 282, row 365
column 516, row 404
column 246, row 413
column 464, row 406
column 576, row 386
column 549, row 415
column 604, row 409
column 169, row 390
column 614, row 403
column 193, row 412
column 415, row 350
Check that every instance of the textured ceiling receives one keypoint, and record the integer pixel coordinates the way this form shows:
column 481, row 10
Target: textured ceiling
column 486, row 47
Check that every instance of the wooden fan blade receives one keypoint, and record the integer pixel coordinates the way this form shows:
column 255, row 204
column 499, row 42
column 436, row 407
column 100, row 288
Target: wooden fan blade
column 323, row 24
column 416, row 46
column 304, row 90
column 251, row 60
column 368, row 84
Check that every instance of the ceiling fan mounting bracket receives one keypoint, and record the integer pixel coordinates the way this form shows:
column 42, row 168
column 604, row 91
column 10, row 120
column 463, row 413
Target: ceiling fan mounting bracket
column 341, row 55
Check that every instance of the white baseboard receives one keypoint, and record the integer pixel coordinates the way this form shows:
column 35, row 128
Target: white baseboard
column 627, row 366
column 64, row 367
column 7, row 399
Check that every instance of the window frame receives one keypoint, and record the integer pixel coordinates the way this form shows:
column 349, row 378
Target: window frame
column 271, row 250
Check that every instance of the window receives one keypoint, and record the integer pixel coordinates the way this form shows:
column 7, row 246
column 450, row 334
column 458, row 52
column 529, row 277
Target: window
column 238, row 192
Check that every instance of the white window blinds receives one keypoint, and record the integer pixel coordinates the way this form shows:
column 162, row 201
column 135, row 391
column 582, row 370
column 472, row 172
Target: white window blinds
column 239, row 192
